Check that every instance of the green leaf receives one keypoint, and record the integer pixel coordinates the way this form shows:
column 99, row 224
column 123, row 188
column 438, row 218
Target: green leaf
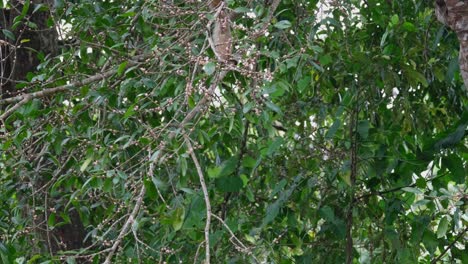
column 279, row 187
column 273, row 107
column 454, row 164
column 303, row 83
column 395, row 19
column 271, row 213
column 346, row 176
column 409, row 27
column 442, row 228
column 130, row 111
column 274, row 146
column 71, row 260
column 249, row 162
column 363, row 128
column 416, row 77
column 430, row 241
column 247, row 107
column 327, row 213
column 325, row 59
column 25, row 9
column 129, row 14
column 228, row 167
column 8, row 34
column 333, row 129
column 283, row 24
column 241, row 10
column 273, row 209
column 412, row 190
column 37, row 7
column 214, row 172
column 177, row 218
column 86, row 164
column 384, row 38
column 51, row 220
column 158, row 183
column 209, row 68
column 121, row 68
column 451, row 139
column 183, row 165
column 229, row 184
column 188, row 190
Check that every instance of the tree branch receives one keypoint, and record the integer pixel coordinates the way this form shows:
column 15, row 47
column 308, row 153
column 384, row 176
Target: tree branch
column 241, row 246
column 127, row 225
column 274, row 5
column 205, row 195
column 24, row 98
column 8, row 112
column 354, row 160
column 449, row 246
column 171, row 135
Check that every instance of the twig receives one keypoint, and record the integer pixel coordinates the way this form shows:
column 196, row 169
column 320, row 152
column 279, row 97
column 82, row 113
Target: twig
column 449, row 246
column 205, row 195
column 202, row 102
column 171, row 135
column 195, row 259
column 242, row 151
column 8, row 112
column 273, row 7
column 396, row 189
column 239, row 243
column 71, row 85
column 151, row 175
column 24, row 98
column 127, row 225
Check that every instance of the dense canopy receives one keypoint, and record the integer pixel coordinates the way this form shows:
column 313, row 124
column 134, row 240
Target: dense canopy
column 183, row 131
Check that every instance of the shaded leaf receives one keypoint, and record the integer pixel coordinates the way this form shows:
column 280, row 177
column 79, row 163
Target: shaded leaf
column 283, row 24
column 442, row 228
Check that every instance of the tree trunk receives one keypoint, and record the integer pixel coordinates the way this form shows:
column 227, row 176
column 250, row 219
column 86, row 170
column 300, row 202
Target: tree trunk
column 454, row 14
column 18, row 58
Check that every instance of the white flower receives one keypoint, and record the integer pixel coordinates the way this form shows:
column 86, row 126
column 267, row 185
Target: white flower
column 395, row 92
column 292, row 32
column 251, row 15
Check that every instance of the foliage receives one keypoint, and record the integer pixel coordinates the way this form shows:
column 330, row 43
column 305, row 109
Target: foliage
column 349, row 122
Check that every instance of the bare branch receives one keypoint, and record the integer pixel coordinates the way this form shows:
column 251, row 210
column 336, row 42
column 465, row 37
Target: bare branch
column 172, row 134
column 127, row 225
column 8, row 112
column 205, row 195
column 462, row 233
column 202, row 102
column 243, row 247
column 24, row 98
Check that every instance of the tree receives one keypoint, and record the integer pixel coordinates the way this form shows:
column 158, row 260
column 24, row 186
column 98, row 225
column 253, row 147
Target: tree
column 30, row 36
column 453, row 14
column 239, row 132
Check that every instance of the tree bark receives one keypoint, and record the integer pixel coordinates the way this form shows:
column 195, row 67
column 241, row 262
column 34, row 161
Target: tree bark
column 18, row 58
column 454, row 14
column 33, row 35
